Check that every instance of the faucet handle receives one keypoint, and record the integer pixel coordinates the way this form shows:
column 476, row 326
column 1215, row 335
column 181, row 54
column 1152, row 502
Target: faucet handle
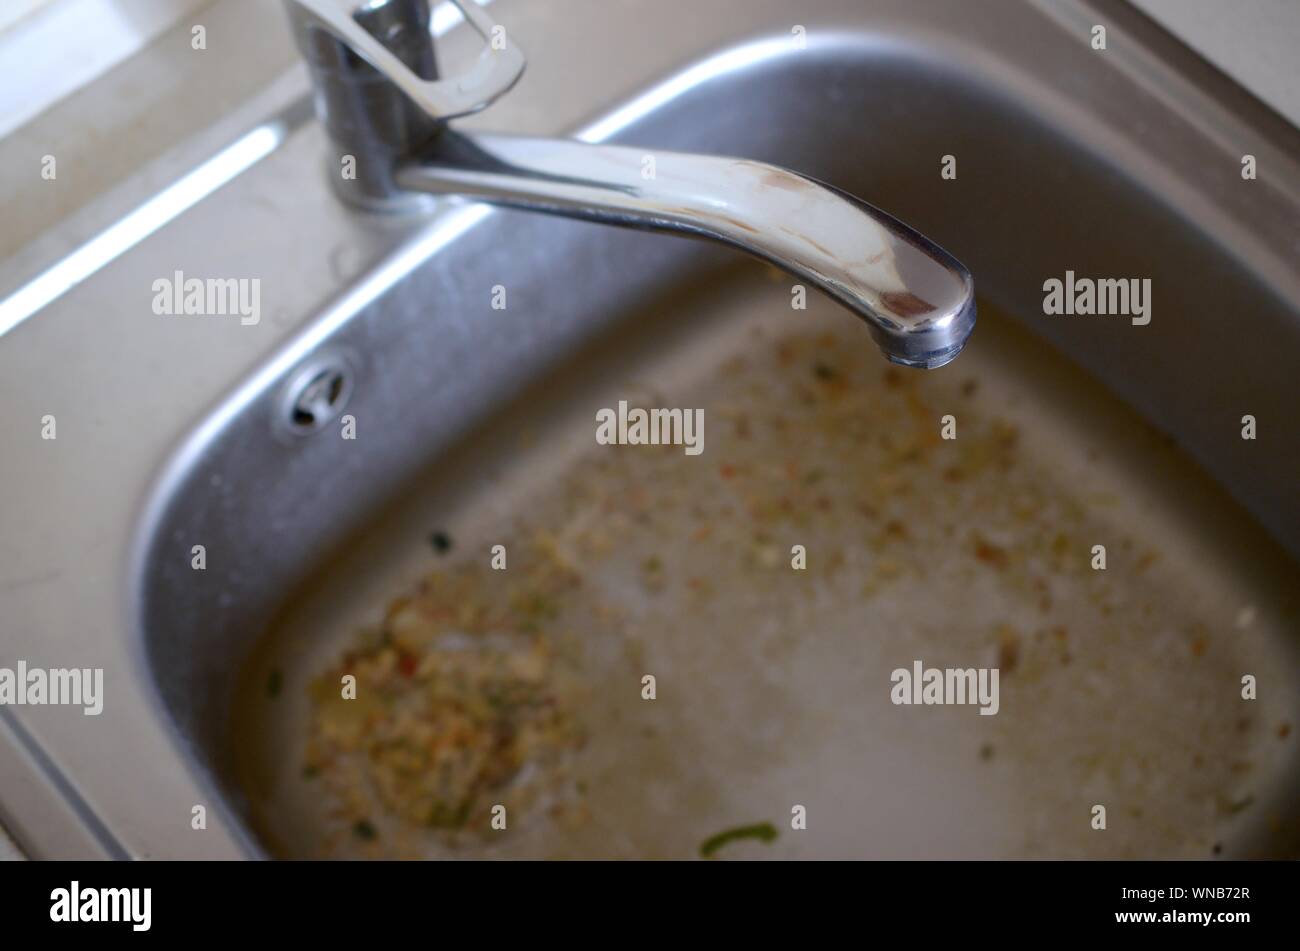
column 494, row 73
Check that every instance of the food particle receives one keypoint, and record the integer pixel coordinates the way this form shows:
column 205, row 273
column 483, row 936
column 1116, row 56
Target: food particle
column 762, row 831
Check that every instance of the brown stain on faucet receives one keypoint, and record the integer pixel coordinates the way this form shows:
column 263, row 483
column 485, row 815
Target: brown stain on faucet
column 824, row 250
column 786, row 181
column 906, row 304
column 772, row 177
column 737, row 223
column 807, row 239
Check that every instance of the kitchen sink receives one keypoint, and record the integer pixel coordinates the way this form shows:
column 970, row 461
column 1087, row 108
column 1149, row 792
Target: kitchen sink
column 405, row 423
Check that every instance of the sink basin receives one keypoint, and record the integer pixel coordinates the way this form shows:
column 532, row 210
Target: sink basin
column 477, row 422
column 474, row 426
column 773, row 684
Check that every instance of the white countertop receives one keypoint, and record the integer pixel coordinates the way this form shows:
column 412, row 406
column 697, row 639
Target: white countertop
column 1256, row 42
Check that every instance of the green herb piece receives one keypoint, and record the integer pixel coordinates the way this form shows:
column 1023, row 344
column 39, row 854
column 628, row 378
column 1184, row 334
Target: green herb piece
column 447, row 816
column 274, row 682
column 362, row 829
column 762, row 831
column 824, row 371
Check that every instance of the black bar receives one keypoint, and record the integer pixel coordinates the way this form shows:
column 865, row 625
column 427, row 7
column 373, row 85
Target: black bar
column 984, row 901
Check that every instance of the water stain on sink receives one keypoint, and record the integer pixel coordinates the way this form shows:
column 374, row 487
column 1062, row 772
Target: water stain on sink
column 521, row 694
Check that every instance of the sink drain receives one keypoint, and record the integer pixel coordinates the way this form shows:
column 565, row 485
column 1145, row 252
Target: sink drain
column 316, row 395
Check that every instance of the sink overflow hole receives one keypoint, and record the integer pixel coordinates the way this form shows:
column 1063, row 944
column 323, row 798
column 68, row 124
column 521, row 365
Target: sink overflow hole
column 319, row 400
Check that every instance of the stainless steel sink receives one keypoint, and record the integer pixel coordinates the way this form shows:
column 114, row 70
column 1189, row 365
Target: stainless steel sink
column 1119, row 687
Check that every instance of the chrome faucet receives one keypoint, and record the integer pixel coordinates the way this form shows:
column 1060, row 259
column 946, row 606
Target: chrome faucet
column 387, row 111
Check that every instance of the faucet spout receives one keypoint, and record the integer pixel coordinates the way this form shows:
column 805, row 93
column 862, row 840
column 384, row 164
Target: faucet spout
column 916, row 299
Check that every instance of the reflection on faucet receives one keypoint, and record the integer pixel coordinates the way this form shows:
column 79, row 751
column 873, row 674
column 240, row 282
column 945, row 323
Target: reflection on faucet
column 917, row 300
